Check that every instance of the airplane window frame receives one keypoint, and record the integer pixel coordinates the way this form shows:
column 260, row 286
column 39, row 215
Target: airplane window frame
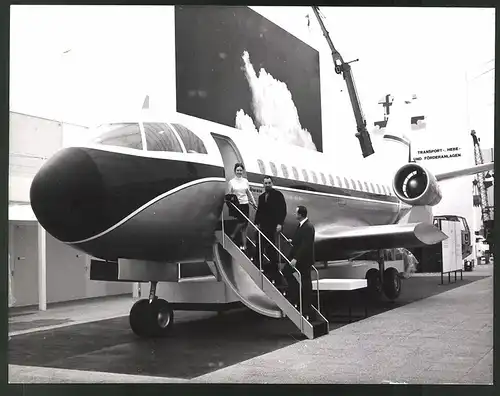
column 353, row 184
column 180, row 129
column 137, row 134
column 323, row 178
column 262, row 166
column 284, row 170
column 274, row 169
column 339, row 181
column 155, row 141
column 305, row 175
column 315, row 177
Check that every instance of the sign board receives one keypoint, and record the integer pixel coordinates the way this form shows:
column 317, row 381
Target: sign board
column 451, row 247
column 437, row 153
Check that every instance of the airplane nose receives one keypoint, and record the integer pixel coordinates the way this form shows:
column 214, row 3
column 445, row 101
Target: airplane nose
column 66, row 195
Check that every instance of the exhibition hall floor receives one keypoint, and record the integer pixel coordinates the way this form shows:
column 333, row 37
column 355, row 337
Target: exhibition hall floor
column 432, row 334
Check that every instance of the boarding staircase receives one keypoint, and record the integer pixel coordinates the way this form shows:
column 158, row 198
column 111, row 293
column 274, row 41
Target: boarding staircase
column 310, row 328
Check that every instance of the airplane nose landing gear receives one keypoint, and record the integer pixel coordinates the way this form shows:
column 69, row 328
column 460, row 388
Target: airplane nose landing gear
column 153, row 317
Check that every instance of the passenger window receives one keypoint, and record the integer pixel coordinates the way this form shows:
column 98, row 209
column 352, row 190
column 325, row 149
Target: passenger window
column 398, row 255
column 339, row 182
column 323, row 178
column 390, row 254
column 353, row 184
column 378, row 189
column 120, row 135
column 360, row 186
column 315, row 178
column 306, row 176
column 389, row 190
column 273, row 169
column 346, row 182
column 331, row 180
column 383, row 189
column 367, row 189
column 160, row 137
column 284, row 170
column 373, row 187
column 262, row 166
column 192, row 142
column 295, row 173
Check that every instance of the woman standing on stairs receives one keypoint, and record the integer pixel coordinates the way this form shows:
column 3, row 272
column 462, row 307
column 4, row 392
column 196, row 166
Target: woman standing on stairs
column 240, row 187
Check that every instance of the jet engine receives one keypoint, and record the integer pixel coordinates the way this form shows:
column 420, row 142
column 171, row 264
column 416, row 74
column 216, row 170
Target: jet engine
column 416, row 186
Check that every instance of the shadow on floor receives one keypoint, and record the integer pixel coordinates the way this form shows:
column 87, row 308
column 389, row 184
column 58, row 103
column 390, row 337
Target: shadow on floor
column 193, row 349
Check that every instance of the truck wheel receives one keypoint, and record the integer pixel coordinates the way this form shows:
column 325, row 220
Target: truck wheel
column 392, row 283
column 374, row 286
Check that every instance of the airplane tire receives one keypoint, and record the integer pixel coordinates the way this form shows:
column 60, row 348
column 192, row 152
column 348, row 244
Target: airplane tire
column 392, row 283
column 137, row 317
column 151, row 320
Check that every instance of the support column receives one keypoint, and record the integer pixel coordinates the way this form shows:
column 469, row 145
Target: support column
column 136, row 292
column 42, row 269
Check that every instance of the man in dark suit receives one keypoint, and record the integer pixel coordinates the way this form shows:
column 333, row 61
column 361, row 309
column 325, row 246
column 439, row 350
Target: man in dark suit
column 270, row 215
column 302, row 258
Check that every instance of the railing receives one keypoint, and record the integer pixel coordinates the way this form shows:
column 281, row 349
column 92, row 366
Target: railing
column 261, row 234
column 313, row 267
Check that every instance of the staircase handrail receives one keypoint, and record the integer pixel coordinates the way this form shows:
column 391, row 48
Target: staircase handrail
column 261, row 234
column 313, row 267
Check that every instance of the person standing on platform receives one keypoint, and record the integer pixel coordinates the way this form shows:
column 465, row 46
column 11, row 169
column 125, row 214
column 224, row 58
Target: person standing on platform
column 270, row 216
column 302, row 258
column 240, row 187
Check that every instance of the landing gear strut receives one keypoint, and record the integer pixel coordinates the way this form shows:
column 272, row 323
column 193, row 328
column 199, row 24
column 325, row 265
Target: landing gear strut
column 153, row 317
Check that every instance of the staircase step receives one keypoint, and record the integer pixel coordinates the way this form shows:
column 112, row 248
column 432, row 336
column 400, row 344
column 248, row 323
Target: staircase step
column 320, row 328
column 311, row 329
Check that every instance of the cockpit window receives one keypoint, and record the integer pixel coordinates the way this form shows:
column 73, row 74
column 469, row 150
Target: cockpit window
column 160, row 137
column 121, row 135
column 192, row 142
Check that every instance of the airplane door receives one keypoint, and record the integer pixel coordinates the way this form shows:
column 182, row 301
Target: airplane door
column 229, row 152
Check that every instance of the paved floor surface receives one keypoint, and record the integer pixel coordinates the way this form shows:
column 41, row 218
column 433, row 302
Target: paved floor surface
column 420, row 339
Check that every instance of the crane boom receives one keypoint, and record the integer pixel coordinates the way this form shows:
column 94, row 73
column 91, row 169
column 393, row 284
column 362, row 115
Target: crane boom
column 345, row 69
column 480, row 184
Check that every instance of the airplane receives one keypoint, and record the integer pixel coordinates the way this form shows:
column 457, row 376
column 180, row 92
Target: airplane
column 148, row 193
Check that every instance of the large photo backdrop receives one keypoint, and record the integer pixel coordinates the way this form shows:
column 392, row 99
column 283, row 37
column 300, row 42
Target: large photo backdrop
column 236, row 68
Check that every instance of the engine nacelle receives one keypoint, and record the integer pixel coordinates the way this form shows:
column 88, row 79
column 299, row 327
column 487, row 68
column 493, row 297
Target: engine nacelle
column 416, row 186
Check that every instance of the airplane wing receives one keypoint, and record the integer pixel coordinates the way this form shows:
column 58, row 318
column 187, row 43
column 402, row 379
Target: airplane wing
column 341, row 241
column 465, row 172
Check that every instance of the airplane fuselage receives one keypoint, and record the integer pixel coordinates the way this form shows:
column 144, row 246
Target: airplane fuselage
column 112, row 201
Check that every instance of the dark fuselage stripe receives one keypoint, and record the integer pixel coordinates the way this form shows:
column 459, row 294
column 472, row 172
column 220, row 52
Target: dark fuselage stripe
column 170, row 175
